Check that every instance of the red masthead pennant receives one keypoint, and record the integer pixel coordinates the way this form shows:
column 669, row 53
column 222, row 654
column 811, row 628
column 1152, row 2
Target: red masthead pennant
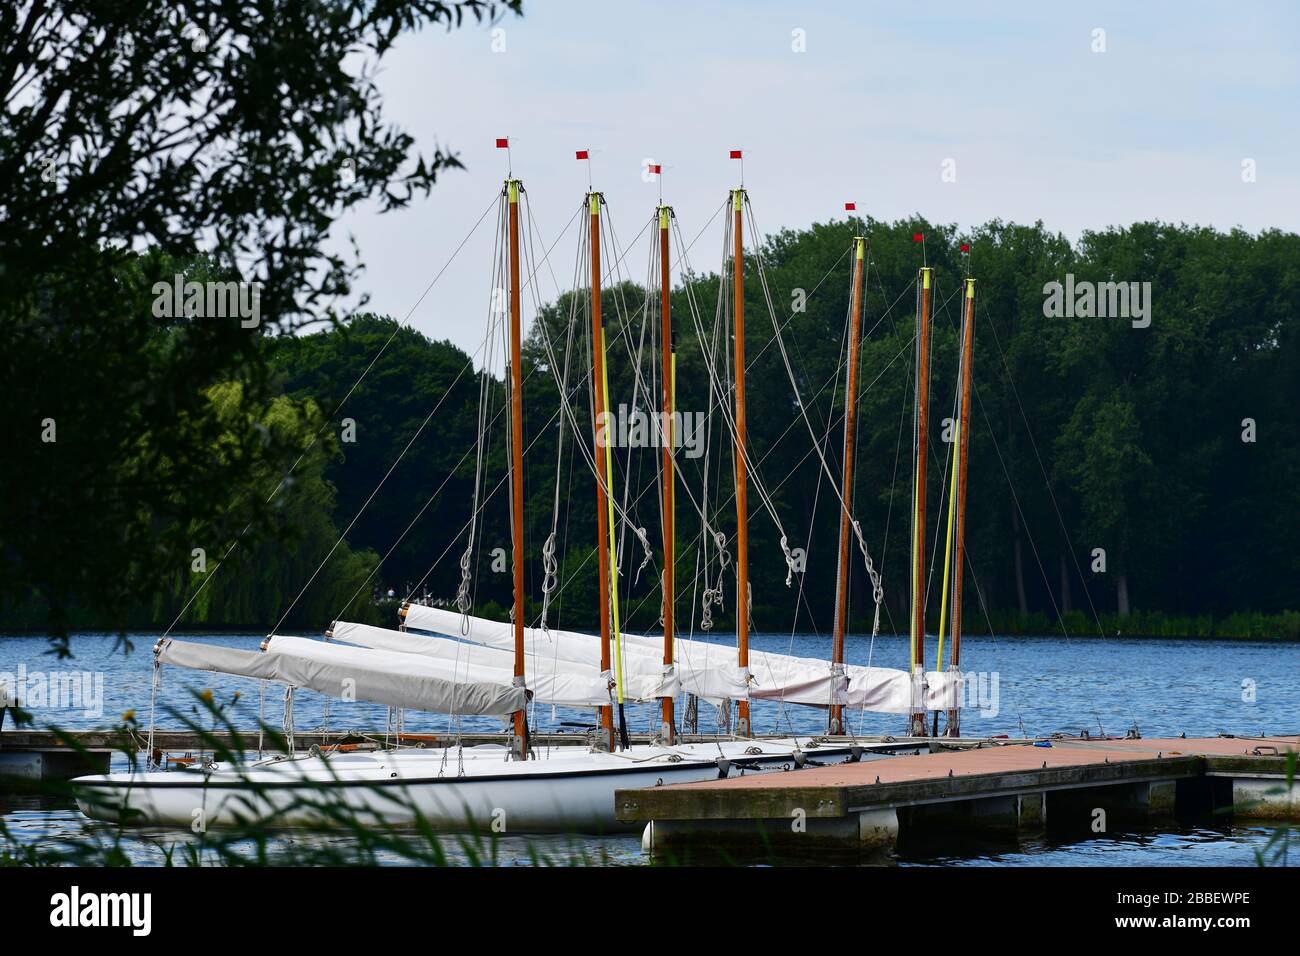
column 581, row 154
column 918, row 237
column 850, row 206
column 965, row 247
column 735, row 154
column 656, row 169
column 503, row 143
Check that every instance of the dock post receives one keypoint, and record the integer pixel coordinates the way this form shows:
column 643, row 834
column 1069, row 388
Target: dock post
column 878, row 829
column 1263, row 798
column 1031, row 813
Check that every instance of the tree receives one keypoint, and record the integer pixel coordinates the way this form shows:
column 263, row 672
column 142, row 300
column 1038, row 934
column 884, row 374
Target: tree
column 142, row 141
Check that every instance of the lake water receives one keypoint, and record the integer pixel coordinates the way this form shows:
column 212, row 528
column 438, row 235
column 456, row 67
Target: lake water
column 1031, row 686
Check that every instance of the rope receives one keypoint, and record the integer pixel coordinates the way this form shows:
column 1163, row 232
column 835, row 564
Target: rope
column 325, row 423
column 153, row 704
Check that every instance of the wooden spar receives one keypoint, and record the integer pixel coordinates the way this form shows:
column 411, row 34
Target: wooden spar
column 517, row 461
column 605, row 736
column 963, row 452
column 836, row 722
column 918, row 728
column 666, row 371
column 742, row 492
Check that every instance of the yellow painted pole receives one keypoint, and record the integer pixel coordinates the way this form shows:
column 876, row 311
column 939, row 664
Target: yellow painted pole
column 613, row 547
column 947, row 550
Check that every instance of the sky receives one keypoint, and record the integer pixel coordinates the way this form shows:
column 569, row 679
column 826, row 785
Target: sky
column 832, row 102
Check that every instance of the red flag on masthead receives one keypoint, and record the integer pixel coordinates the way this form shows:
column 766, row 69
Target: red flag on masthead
column 850, row 206
column 965, row 247
column 581, row 154
column 735, row 154
column 918, row 237
column 656, row 169
column 503, row 143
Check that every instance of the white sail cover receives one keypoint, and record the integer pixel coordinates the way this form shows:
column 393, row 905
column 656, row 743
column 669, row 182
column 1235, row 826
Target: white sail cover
column 710, row 670
column 552, row 682
column 352, row 673
column 716, row 680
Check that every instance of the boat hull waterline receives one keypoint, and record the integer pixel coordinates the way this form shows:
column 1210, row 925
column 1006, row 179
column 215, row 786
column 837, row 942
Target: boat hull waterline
column 476, row 789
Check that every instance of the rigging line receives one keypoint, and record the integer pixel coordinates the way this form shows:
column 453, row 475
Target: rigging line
column 564, row 406
column 902, row 418
column 1051, row 495
column 487, row 499
column 888, row 313
column 363, row 507
column 1029, row 537
column 610, row 237
column 325, row 423
column 586, row 452
column 489, row 340
column 970, row 565
column 947, row 461
column 717, row 387
column 817, row 394
column 943, row 308
column 878, row 592
column 799, row 463
column 468, row 581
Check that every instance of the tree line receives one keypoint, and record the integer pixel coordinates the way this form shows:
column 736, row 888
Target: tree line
column 1126, row 473
column 1121, row 468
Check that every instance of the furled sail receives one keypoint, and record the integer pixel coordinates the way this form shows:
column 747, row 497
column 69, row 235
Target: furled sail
column 351, row 673
column 565, row 683
column 709, row 670
column 642, row 657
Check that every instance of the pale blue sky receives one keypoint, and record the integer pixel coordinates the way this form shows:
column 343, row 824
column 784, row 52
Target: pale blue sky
column 1040, row 126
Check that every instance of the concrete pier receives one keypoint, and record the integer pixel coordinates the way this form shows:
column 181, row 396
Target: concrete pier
column 993, row 790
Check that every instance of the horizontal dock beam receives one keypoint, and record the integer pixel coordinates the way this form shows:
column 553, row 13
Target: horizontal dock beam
column 1011, row 790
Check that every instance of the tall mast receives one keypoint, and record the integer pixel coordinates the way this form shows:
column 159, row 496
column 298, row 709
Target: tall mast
column 520, row 743
column 667, row 373
column 742, row 491
column 921, row 438
column 963, row 450
column 605, row 737
column 836, row 723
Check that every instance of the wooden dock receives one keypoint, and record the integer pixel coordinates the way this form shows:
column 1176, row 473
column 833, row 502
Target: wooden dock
column 998, row 789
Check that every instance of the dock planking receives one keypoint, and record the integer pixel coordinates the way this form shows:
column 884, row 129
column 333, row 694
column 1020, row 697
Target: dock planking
column 988, row 787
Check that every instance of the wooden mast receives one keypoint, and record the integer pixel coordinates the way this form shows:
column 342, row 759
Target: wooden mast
column 917, row 728
column 963, row 451
column 667, row 372
column 742, row 491
column 836, row 722
column 605, row 735
column 520, row 742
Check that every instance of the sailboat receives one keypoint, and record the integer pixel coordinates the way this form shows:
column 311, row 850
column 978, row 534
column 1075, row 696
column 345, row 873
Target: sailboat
column 453, row 662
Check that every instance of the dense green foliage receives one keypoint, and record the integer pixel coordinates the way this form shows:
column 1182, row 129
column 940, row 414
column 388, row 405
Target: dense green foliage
column 1087, row 433
column 141, row 139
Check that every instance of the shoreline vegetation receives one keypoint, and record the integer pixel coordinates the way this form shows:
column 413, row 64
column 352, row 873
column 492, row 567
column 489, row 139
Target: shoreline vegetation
column 1093, row 504
column 1242, row 626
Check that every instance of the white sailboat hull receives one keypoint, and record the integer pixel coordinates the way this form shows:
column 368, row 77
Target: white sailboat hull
column 570, row 791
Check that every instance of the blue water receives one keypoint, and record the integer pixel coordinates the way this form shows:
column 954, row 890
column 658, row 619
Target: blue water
column 1044, row 685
